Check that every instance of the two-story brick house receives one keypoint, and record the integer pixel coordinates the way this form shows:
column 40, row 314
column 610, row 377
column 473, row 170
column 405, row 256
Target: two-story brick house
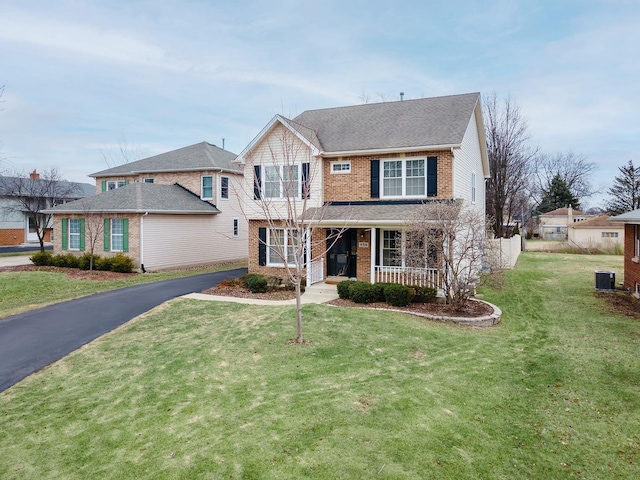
column 361, row 170
column 176, row 209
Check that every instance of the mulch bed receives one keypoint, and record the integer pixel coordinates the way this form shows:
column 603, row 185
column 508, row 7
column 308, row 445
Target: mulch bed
column 621, row 303
column 470, row 309
column 72, row 273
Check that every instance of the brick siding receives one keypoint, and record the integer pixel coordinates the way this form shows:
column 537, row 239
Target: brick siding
column 631, row 268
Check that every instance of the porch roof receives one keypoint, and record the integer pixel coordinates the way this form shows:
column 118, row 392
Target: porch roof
column 363, row 214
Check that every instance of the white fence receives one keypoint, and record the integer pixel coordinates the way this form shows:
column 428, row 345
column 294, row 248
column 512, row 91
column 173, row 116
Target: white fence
column 505, row 251
column 421, row 277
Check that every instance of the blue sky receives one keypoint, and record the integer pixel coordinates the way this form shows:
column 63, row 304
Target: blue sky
column 82, row 77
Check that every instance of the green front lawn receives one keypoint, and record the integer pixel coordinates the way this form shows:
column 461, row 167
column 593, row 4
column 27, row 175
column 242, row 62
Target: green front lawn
column 22, row 291
column 214, row 390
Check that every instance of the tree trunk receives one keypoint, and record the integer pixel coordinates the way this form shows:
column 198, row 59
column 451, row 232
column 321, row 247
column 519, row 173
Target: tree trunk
column 299, row 338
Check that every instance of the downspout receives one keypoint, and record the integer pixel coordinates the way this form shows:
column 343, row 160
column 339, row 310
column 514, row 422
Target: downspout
column 142, row 242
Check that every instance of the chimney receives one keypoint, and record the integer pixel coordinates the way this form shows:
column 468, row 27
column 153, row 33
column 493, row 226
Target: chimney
column 569, row 215
column 34, row 175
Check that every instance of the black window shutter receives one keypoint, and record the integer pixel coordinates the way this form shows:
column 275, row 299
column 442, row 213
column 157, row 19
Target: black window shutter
column 375, row 178
column 262, row 246
column 432, row 176
column 306, row 187
column 257, row 185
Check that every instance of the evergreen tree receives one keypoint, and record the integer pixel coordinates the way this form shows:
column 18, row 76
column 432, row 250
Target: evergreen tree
column 625, row 191
column 558, row 196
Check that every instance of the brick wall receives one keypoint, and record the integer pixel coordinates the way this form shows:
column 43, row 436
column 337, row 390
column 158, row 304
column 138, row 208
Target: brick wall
column 631, row 268
column 363, row 265
column 356, row 186
column 11, row 236
column 189, row 180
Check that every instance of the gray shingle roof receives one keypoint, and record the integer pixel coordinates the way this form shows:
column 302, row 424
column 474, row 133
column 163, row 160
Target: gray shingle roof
column 367, row 214
column 78, row 190
column 403, row 124
column 629, row 217
column 141, row 198
column 201, row 156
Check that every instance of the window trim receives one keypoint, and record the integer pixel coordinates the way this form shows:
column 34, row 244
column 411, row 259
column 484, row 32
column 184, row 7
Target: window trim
column 403, row 177
column 341, row 171
column 473, row 187
column 202, row 187
column 113, row 235
column 116, row 183
column 78, row 234
column 224, row 189
column 279, row 262
column 280, row 177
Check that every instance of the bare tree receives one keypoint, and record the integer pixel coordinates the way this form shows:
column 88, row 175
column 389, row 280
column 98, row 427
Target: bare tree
column 573, row 169
column 510, row 161
column 449, row 236
column 35, row 192
column 125, row 153
column 282, row 194
column 93, row 232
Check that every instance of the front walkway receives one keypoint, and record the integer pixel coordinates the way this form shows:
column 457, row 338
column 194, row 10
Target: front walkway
column 317, row 293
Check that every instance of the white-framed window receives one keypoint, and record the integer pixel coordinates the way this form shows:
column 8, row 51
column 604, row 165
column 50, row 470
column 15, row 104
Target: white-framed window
column 224, row 188
column 117, row 234
column 405, row 177
column 148, row 180
column 407, row 249
column 390, row 248
column 113, row 184
column 207, row 187
column 609, row 234
column 74, row 234
column 236, row 227
column 281, row 181
column 340, row 167
column 473, row 187
column 281, row 244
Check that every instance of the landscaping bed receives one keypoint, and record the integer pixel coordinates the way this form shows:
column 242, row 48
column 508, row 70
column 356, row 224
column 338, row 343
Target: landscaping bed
column 71, row 273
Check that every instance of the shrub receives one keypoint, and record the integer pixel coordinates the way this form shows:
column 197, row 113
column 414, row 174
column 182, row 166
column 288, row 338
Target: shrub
column 121, row 264
column 397, row 295
column 256, row 283
column 423, row 294
column 68, row 260
column 378, row 288
column 363, row 292
column 343, row 289
column 41, row 259
column 84, row 262
column 103, row 264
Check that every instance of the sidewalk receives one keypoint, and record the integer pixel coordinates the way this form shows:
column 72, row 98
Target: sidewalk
column 13, row 261
column 316, row 293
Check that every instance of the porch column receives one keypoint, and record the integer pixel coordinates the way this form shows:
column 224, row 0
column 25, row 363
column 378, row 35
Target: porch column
column 373, row 254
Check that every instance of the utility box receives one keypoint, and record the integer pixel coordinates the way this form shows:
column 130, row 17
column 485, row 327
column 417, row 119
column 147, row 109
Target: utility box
column 605, row 281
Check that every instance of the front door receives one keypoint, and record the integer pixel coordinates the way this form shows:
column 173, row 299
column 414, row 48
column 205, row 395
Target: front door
column 342, row 256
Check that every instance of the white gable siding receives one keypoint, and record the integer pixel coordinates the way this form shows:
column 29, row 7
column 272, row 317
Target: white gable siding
column 171, row 241
column 468, row 159
column 280, row 147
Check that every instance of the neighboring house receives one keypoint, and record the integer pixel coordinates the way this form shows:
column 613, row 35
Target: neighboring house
column 363, row 169
column 16, row 225
column 631, row 222
column 598, row 232
column 554, row 225
column 176, row 209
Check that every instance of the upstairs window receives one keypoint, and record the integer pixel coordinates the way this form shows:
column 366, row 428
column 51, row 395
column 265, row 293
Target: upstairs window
column 224, row 188
column 473, row 187
column 282, row 181
column 148, row 180
column 113, row 184
column 207, row 187
column 340, row 167
column 407, row 177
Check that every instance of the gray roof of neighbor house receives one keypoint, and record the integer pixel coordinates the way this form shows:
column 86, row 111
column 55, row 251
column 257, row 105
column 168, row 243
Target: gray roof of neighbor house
column 201, row 156
column 140, row 198
column 629, row 217
column 438, row 121
column 8, row 186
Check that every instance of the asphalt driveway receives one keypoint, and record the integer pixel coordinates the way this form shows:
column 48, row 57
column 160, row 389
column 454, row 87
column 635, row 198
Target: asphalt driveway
column 32, row 340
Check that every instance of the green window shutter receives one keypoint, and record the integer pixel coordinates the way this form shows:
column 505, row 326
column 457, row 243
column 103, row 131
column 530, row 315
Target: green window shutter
column 65, row 234
column 107, row 235
column 104, row 185
column 82, row 234
column 125, row 234
column 126, row 182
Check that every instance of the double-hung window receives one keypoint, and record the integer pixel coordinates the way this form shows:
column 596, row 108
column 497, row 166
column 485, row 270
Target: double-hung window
column 113, row 184
column 207, row 187
column 391, row 254
column 403, row 177
column 281, row 245
column 224, row 188
column 74, row 234
column 282, row 181
column 117, row 234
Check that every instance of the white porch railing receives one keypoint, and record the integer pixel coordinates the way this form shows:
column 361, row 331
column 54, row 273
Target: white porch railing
column 315, row 272
column 421, row 277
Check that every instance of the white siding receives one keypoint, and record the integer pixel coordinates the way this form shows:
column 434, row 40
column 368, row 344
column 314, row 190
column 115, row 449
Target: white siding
column 592, row 237
column 10, row 218
column 171, row 241
column 281, row 147
column 466, row 160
